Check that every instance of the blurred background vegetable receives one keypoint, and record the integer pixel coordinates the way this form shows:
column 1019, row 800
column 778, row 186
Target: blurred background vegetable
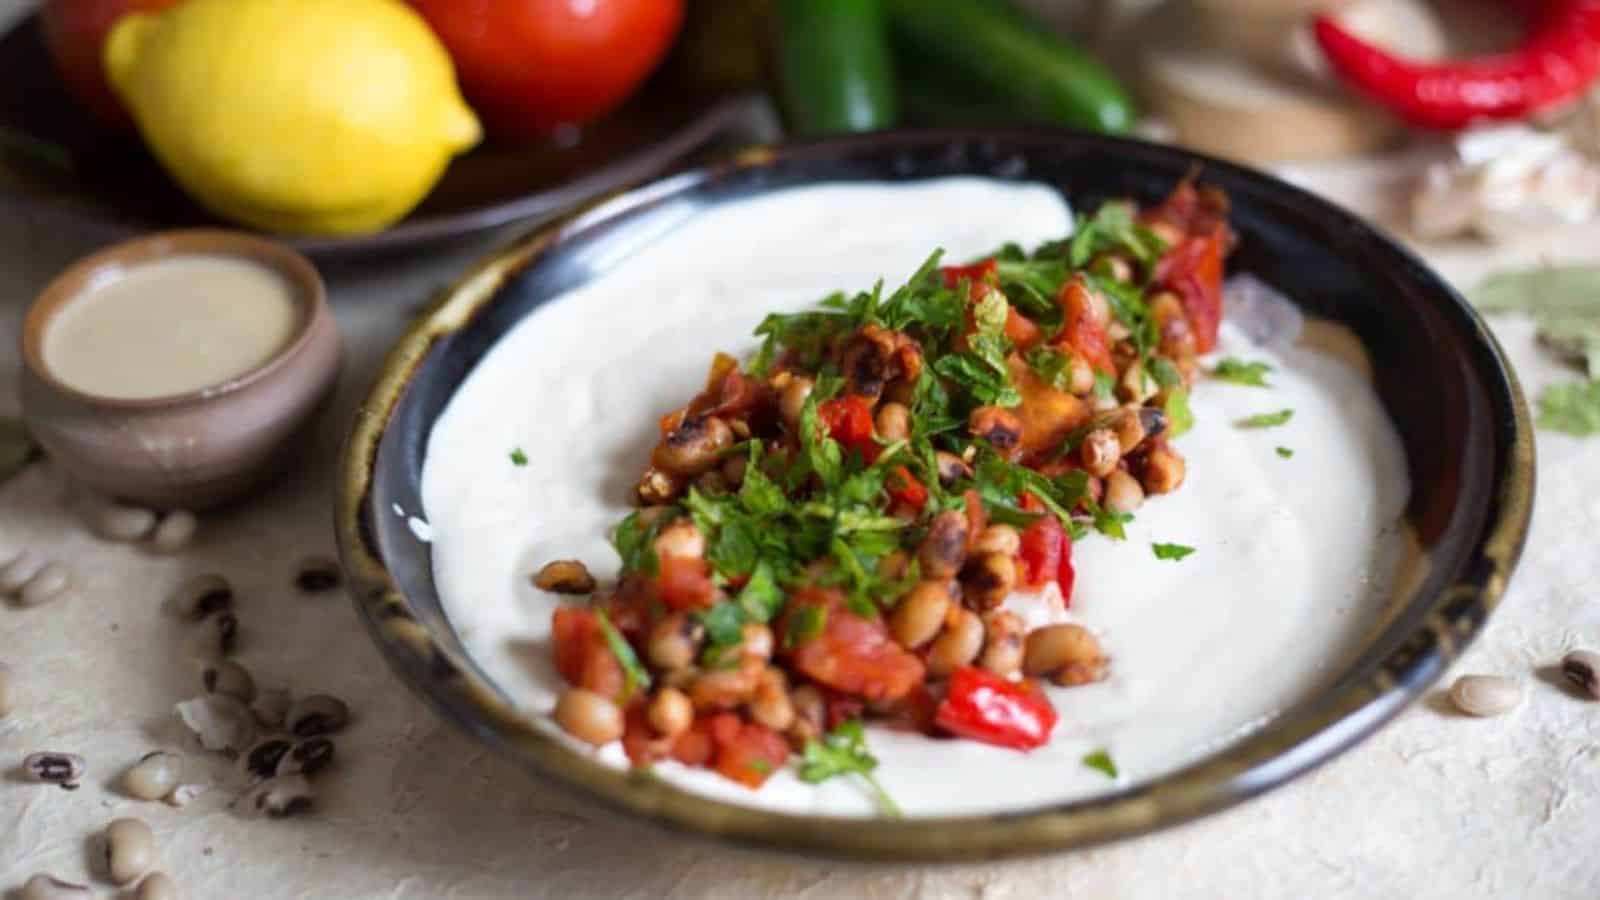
column 76, row 33
column 532, row 66
column 834, row 66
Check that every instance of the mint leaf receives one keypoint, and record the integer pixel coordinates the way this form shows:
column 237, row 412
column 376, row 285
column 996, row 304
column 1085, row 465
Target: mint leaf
column 1285, row 452
column 1238, row 371
column 1171, row 551
column 1180, row 418
column 1101, row 761
column 1571, row 408
column 1267, row 420
column 1052, row 366
column 843, row 751
column 1563, row 300
column 518, row 458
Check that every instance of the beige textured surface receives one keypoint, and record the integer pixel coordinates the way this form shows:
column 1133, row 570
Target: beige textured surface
column 1436, row 806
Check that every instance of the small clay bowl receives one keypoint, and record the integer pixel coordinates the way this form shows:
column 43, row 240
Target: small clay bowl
column 190, row 450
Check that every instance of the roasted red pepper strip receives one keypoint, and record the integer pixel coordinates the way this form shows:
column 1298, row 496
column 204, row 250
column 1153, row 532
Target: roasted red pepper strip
column 1558, row 61
column 983, row 706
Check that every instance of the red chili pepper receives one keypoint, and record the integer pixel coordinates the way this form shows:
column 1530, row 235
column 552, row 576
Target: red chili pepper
column 983, row 706
column 1556, row 62
column 905, row 488
column 848, row 420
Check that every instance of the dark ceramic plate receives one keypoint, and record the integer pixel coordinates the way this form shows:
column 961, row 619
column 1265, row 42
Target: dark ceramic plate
column 115, row 189
column 1441, row 377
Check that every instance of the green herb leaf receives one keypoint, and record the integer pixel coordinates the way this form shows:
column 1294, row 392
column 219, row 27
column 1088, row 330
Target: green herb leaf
column 1572, row 408
column 635, row 540
column 1113, row 228
column 983, row 378
column 634, row 676
column 724, row 624
column 1171, row 551
column 762, row 598
column 1105, row 386
column 518, row 458
column 843, row 751
column 805, row 623
column 1111, row 523
column 1285, row 452
column 823, row 453
column 1238, row 371
column 1101, row 761
column 1052, row 366
column 1563, row 300
column 1180, row 418
column 1267, row 420
column 1164, row 372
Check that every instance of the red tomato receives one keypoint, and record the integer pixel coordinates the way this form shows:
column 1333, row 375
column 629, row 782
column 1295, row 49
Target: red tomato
column 639, row 740
column 983, row 706
column 848, row 420
column 583, row 657
column 1193, row 271
column 905, row 488
column 975, row 274
column 1046, row 552
column 530, row 66
column 1020, row 330
column 1079, row 331
column 75, row 31
column 852, row 655
column 694, row 747
column 684, row 582
column 745, row 751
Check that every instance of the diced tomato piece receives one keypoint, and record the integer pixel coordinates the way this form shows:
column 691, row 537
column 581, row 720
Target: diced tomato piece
column 848, row 420
column 1020, row 329
column 978, row 273
column 639, row 740
column 853, row 655
column 683, row 582
column 983, row 706
column 745, row 751
column 905, row 488
column 1080, row 332
column 1193, row 271
column 1040, row 555
column 694, row 747
column 583, row 657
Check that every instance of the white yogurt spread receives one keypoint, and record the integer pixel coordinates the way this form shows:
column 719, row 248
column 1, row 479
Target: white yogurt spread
column 1292, row 555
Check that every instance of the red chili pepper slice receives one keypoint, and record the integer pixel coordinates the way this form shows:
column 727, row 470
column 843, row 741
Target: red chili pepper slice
column 983, row 706
column 905, row 488
column 1557, row 61
column 848, row 420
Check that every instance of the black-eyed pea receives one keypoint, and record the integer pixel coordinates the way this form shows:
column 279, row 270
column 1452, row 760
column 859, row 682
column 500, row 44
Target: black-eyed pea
column 130, row 848
column 1164, row 471
column 958, row 645
column 317, row 714
column 695, row 446
column 920, row 614
column 1485, row 695
column 202, row 595
column 1004, row 634
column 271, row 707
column 229, row 679
column 893, row 422
column 175, row 531
column 792, row 399
column 987, row 579
column 657, row 487
column 589, row 717
column 670, row 712
column 19, row 570
column 680, row 538
column 263, row 759
column 952, row 468
column 771, row 706
column 285, row 795
column 719, row 689
column 63, row 769
column 564, row 576
column 154, row 776
column 944, row 548
column 1066, row 653
column 810, row 710
column 1001, row 427
column 674, row 642
column 1122, row 493
column 1100, row 452
column 307, row 757
column 52, row 582
column 1581, row 668
column 1001, row 539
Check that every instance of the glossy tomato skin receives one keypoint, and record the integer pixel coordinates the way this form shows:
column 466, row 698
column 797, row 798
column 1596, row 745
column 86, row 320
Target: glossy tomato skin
column 531, row 66
column 75, row 31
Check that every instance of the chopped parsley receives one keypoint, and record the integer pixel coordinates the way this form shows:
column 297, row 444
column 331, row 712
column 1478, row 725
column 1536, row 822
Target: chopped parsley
column 1113, row 228
column 1285, row 452
column 1171, row 551
column 1267, row 420
column 1238, row 371
column 843, row 751
column 518, row 458
column 1180, row 418
column 1052, row 366
column 805, row 623
column 1101, row 761
column 1105, row 385
column 634, row 675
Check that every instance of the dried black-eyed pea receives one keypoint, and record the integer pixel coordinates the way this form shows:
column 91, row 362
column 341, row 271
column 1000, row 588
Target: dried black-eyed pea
column 49, row 887
column 52, row 582
column 115, row 522
column 565, row 576
column 987, row 579
column 317, row 714
column 184, row 794
column 176, row 531
column 130, row 850
column 201, row 596
column 277, row 797
column 64, row 769
column 307, row 757
column 227, row 633
column 157, row 886
column 1581, row 668
column 229, row 679
column 317, row 573
column 1003, row 646
column 19, row 570
column 272, row 707
column 154, row 776
column 1485, row 695
column 264, row 758
column 1100, row 452
column 7, row 692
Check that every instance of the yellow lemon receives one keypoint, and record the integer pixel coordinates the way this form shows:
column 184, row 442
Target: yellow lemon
column 299, row 116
